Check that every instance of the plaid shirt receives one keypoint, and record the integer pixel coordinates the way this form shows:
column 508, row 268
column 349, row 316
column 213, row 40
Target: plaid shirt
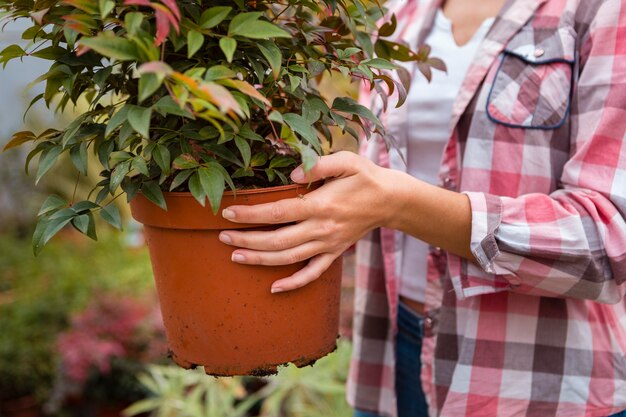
column 538, row 144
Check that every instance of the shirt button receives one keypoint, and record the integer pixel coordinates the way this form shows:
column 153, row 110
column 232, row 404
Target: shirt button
column 539, row 52
column 428, row 323
column 448, row 183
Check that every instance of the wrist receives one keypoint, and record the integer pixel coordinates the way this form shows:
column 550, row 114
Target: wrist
column 400, row 198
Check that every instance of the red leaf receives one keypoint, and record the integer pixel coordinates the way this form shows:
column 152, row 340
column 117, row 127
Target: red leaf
column 38, row 16
column 82, row 49
column 163, row 20
column 137, row 2
column 155, row 67
column 173, row 7
column 163, row 28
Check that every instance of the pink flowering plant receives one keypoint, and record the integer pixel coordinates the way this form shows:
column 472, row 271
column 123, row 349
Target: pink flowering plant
column 199, row 96
column 105, row 346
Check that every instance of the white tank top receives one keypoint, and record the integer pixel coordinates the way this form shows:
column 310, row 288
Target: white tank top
column 429, row 110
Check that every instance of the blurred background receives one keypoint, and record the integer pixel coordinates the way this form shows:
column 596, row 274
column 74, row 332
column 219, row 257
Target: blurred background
column 80, row 329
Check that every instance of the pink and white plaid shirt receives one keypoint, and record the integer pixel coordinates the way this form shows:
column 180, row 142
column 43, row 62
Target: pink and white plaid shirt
column 538, row 144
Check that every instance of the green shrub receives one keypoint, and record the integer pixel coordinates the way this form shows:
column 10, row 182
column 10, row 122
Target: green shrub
column 37, row 298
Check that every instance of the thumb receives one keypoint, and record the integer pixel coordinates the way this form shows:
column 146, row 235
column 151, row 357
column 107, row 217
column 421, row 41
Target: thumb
column 340, row 164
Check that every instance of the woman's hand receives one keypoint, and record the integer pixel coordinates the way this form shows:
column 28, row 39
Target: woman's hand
column 355, row 200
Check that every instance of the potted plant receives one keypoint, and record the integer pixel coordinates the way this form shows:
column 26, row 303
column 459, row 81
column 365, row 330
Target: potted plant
column 182, row 100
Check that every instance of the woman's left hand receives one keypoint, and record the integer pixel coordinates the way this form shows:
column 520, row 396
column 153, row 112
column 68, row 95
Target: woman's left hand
column 353, row 201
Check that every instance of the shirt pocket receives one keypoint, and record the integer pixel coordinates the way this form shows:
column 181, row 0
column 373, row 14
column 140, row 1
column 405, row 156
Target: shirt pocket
column 532, row 86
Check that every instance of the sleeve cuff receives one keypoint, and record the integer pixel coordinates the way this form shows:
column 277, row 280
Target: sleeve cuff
column 486, row 218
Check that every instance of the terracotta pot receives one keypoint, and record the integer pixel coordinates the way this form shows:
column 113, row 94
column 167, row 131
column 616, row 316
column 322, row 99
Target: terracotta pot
column 221, row 315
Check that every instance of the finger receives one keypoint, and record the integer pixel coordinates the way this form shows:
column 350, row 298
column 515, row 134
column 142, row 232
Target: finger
column 284, row 257
column 335, row 165
column 282, row 211
column 309, row 273
column 273, row 240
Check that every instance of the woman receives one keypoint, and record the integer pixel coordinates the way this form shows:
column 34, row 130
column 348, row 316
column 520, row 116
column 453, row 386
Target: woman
column 526, row 230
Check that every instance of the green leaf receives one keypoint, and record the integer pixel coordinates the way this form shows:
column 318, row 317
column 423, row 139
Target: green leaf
column 275, row 116
column 244, row 149
column 133, row 21
column 282, row 177
column 196, row 188
column 111, row 214
column 149, row 83
column 91, row 227
column 117, row 119
column 272, row 53
column 37, row 242
column 112, row 47
column 9, row 53
column 72, row 129
column 140, row 165
column 218, row 72
column 185, row 161
column 139, row 119
column 249, row 26
column 152, row 192
column 225, row 175
column 212, row 182
column 143, row 406
column 167, row 105
column 81, row 223
column 47, row 160
column 104, row 150
column 378, row 63
column 258, row 159
column 281, row 161
column 52, row 203
column 78, row 155
column 388, row 28
column 83, row 206
column 243, row 172
column 106, row 6
column 118, row 156
column 119, row 172
column 309, row 157
column 53, row 227
column 161, row 156
column 194, row 42
column 50, row 53
column 348, row 105
column 246, row 132
column 214, row 16
column 300, row 125
column 180, row 178
column 228, row 46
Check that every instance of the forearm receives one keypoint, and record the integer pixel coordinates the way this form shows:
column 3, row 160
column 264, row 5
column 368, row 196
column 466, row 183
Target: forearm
column 440, row 217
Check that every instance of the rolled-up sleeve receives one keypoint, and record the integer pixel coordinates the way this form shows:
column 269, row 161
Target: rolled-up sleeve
column 572, row 242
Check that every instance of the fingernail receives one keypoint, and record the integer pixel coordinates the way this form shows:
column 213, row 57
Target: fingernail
column 237, row 257
column 224, row 238
column 297, row 175
column 228, row 214
column 276, row 290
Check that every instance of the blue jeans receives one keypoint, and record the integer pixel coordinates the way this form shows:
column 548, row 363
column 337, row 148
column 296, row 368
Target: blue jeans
column 411, row 399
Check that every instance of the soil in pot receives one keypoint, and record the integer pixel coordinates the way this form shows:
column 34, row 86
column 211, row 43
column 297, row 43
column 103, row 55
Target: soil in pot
column 221, row 315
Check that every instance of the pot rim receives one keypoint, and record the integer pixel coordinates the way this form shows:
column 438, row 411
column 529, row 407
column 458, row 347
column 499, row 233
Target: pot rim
column 249, row 190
